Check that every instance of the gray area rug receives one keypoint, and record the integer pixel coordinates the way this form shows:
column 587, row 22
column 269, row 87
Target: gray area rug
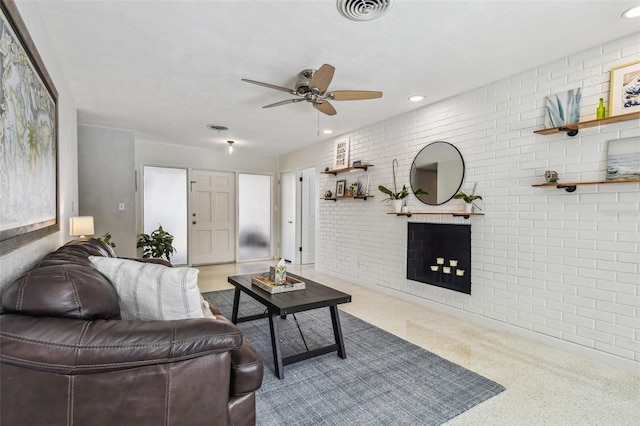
column 385, row 380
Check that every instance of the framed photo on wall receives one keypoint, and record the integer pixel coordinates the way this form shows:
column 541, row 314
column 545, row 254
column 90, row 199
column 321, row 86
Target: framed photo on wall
column 341, row 154
column 340, row 185
column 624, row 89
column 29, row 148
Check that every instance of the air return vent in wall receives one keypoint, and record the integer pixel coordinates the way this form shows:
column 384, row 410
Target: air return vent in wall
column 363, row 10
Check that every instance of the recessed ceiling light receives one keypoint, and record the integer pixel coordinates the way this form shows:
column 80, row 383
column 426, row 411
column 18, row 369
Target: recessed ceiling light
column 633, row 12
column 416, row 98
column 327, row 131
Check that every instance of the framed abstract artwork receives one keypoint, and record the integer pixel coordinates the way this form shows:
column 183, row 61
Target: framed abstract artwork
column 563, row 108
column 29, row 138
column 340, row 186
column 624, row 89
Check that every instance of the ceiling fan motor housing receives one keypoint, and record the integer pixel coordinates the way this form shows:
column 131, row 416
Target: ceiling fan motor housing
column 302, row 85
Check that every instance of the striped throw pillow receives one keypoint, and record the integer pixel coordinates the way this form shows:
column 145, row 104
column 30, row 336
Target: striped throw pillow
column 149, row 291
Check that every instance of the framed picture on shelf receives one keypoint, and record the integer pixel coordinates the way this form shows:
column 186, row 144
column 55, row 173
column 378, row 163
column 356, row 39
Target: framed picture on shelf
column 341, row 154
column 563, row 108
column 29, row 134
column 624, row 89
column 623, row 159
column 363, row 185
column 340, row 185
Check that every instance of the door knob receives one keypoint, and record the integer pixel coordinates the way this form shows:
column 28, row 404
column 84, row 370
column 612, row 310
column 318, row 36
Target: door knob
column 194, row 222
column 193, row 214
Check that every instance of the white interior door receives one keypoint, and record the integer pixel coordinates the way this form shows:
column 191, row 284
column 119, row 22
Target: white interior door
column 212, row 228
column 308, row 216
column 288, row 216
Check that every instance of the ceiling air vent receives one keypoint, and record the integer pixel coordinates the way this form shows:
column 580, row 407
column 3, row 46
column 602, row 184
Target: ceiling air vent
column 363, row 10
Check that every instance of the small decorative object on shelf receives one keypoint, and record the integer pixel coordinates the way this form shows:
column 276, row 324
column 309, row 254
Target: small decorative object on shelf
column 328, row 194
column 357, row 163
column 600, row 111
column 551, row 176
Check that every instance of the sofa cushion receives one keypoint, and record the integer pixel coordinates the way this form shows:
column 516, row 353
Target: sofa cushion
column 150, row 292
column 68, row 291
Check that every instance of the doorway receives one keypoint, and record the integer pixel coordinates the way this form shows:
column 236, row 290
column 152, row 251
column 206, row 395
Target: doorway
column 288, row 216
column 212, row 217
column 308, row 216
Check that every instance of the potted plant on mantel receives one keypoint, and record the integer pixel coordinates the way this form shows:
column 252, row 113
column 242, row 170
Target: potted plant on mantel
column 468, row 199
column 397, row 196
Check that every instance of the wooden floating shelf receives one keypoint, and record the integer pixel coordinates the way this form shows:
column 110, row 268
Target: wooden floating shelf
column 455, row 214
column 363, row 166
column 571, row 186
column 358, row 197
column 572, row 129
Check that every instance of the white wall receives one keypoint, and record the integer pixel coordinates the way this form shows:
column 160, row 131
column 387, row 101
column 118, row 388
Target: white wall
column 107, row 179
column 555, row 266
column 18, row 261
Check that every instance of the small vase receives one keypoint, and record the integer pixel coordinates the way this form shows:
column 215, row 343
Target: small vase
column 397, row 206
column 468, row 208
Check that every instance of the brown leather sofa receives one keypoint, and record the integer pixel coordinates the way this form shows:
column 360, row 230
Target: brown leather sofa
column 66, row 357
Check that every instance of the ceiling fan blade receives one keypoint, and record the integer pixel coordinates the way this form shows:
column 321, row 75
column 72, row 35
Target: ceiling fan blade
column 325, row 107
column 270, row 86
column 322, row 78
column 354, row 95
column 288, row 101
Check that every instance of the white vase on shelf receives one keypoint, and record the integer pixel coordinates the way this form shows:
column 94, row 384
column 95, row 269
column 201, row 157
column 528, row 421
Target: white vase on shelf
column 468, row 208
column 397, row 206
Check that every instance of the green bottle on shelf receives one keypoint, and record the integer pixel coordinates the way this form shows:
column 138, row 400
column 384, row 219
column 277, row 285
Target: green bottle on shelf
column 600, row 112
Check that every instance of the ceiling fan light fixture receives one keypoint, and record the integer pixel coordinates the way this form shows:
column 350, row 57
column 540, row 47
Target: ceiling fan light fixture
column 363, row 10
column 416, row 98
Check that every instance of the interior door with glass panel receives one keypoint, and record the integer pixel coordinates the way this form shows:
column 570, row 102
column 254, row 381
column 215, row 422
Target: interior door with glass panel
column 308, row 216
column 254, row 216
column 165, row 203
column 212, row 218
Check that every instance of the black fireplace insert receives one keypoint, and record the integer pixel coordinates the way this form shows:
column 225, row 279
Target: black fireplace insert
column 440, row 254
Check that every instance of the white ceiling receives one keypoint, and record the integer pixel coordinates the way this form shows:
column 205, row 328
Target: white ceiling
column 166, row 69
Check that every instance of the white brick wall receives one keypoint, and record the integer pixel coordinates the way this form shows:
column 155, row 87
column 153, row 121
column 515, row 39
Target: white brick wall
column 561, row 264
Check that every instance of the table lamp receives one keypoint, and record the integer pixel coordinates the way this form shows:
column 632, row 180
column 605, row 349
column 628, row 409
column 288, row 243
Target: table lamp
column 81, row 226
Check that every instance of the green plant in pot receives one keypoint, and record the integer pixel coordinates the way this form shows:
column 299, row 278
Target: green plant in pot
column 157, row 245
column 397, row 197
column 469, row 199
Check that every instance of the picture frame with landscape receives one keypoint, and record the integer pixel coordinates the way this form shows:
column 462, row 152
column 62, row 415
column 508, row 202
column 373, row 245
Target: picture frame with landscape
column 29, row 193
column 623, row 159
column 624, row 89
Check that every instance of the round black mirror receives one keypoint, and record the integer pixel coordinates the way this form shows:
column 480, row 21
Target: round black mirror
column 438, row 170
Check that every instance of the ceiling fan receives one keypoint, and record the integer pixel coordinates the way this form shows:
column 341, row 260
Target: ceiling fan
column 312, row 87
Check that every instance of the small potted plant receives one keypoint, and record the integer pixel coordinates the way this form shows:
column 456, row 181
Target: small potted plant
column 354, row 189
column 157, row 245
column 106, row 238
column 395, row 197
column 469, row 200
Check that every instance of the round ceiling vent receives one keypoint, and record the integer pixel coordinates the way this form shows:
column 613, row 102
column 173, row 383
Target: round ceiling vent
column 363, row 10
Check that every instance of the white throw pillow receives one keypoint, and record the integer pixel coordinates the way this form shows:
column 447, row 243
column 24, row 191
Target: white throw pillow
column 149, row 291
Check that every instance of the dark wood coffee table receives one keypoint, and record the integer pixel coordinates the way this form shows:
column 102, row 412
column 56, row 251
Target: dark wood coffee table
column 314, row 296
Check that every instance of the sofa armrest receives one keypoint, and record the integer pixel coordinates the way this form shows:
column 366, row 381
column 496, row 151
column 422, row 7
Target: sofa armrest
column 71, row 346
column 247, row 370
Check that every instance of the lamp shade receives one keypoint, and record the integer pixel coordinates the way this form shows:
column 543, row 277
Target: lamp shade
column 81, row 225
